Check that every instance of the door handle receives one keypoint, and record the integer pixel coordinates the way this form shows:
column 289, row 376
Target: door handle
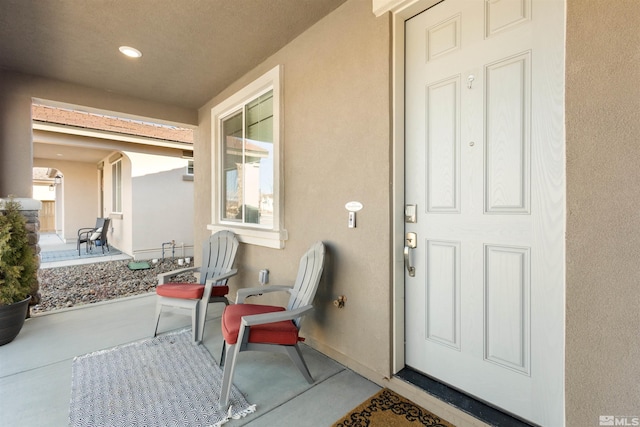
column 412, row 243
column 407, row 262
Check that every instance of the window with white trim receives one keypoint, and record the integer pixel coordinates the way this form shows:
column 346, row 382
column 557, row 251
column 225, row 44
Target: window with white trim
column 247, row 184
column 116, row 186
column 188, row 175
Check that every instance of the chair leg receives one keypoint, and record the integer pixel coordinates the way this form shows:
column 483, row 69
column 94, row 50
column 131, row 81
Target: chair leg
column 202, row 318
column 158, row 310
column 194, row 322
column 227, row 376
column 222, row 355
column 296, row 356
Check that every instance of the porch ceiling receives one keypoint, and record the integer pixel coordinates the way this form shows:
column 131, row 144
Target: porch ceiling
column 191, row 49
column 71, row 153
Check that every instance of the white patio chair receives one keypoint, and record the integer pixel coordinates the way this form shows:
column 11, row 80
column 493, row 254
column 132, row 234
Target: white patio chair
column 218, row 255
column 253, row 327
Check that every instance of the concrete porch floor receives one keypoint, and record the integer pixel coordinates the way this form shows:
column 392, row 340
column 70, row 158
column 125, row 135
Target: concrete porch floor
column 35, row 369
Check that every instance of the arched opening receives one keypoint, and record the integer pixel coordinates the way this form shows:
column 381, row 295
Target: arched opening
column 48, row 189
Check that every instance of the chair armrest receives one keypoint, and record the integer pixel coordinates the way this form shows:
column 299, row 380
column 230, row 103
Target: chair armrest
column 244, row 293
column 208, row 286
column 85, row 230
column 165, row 277
column 84, row 236
column 278, row 316
column 222, row 276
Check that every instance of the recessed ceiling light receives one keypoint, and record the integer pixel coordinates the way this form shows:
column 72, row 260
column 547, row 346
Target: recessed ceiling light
column 131, row 52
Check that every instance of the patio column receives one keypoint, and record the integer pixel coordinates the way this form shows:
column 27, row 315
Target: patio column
column 16, row 158
column 16, row 140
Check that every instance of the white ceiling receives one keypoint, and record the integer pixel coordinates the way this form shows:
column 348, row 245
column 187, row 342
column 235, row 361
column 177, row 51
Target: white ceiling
column 192, row 49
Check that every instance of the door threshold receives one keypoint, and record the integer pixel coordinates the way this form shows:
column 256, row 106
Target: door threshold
column 461, row 401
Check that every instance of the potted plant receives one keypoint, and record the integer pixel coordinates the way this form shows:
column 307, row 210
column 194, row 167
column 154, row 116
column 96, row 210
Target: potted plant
column 18, row 270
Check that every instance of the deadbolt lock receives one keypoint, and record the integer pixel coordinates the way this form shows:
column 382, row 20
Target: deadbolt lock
column 412, row 240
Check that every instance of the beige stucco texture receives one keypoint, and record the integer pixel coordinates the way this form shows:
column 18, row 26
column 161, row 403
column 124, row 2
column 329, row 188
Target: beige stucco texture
column 603, row 239
column 335, row 150
column 81, row 190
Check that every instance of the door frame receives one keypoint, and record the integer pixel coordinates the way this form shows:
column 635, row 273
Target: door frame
column 400, row 12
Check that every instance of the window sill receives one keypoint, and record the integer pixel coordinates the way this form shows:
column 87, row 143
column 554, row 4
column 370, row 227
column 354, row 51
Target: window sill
column 267, row 238
column 115, row 215
column 187, row 177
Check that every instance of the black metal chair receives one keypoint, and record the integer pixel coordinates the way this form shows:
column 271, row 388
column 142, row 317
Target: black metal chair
column 99, row 238
column 86, row 232
column 96, row 236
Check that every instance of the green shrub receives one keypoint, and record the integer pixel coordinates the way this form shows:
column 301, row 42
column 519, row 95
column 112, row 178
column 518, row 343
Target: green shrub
column 18, row 268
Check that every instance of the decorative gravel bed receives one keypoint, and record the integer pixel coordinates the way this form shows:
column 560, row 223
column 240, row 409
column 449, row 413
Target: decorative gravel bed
column 71, row 286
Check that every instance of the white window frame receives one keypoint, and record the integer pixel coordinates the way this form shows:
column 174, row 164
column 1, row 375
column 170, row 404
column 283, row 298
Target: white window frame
column 116, row 186
column 275, row 236
column 189, row 171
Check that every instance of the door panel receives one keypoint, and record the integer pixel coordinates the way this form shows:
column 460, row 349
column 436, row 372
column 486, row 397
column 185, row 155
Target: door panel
column 501, row 15
column 508, row 111
column 443, row 293
column 443, row 146
column 484, row 165
column 507, row 314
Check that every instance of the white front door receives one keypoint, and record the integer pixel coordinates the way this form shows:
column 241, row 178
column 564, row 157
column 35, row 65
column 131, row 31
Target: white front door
column 485, row 167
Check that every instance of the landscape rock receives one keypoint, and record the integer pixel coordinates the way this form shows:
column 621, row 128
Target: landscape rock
column 65, row 287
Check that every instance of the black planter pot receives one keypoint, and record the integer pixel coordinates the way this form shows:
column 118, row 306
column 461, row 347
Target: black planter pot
column 12, row 318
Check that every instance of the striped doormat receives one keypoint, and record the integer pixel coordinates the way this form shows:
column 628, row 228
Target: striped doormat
column 388, row 409
column 164, row 381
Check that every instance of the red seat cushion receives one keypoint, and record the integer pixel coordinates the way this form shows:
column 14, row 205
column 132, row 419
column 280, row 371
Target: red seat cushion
column 181, row 290
column 189, row 290
column 283, row 332
column 219, row 291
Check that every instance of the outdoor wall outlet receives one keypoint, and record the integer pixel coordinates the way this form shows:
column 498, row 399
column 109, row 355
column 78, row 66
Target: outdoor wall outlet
column 340, row 301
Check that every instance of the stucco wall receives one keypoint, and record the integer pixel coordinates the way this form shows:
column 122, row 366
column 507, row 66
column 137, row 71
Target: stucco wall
column 336, row 150
column 603, row 223
column 121, row 225
column 79, row 195
column 16, row 148
column 162, row 205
